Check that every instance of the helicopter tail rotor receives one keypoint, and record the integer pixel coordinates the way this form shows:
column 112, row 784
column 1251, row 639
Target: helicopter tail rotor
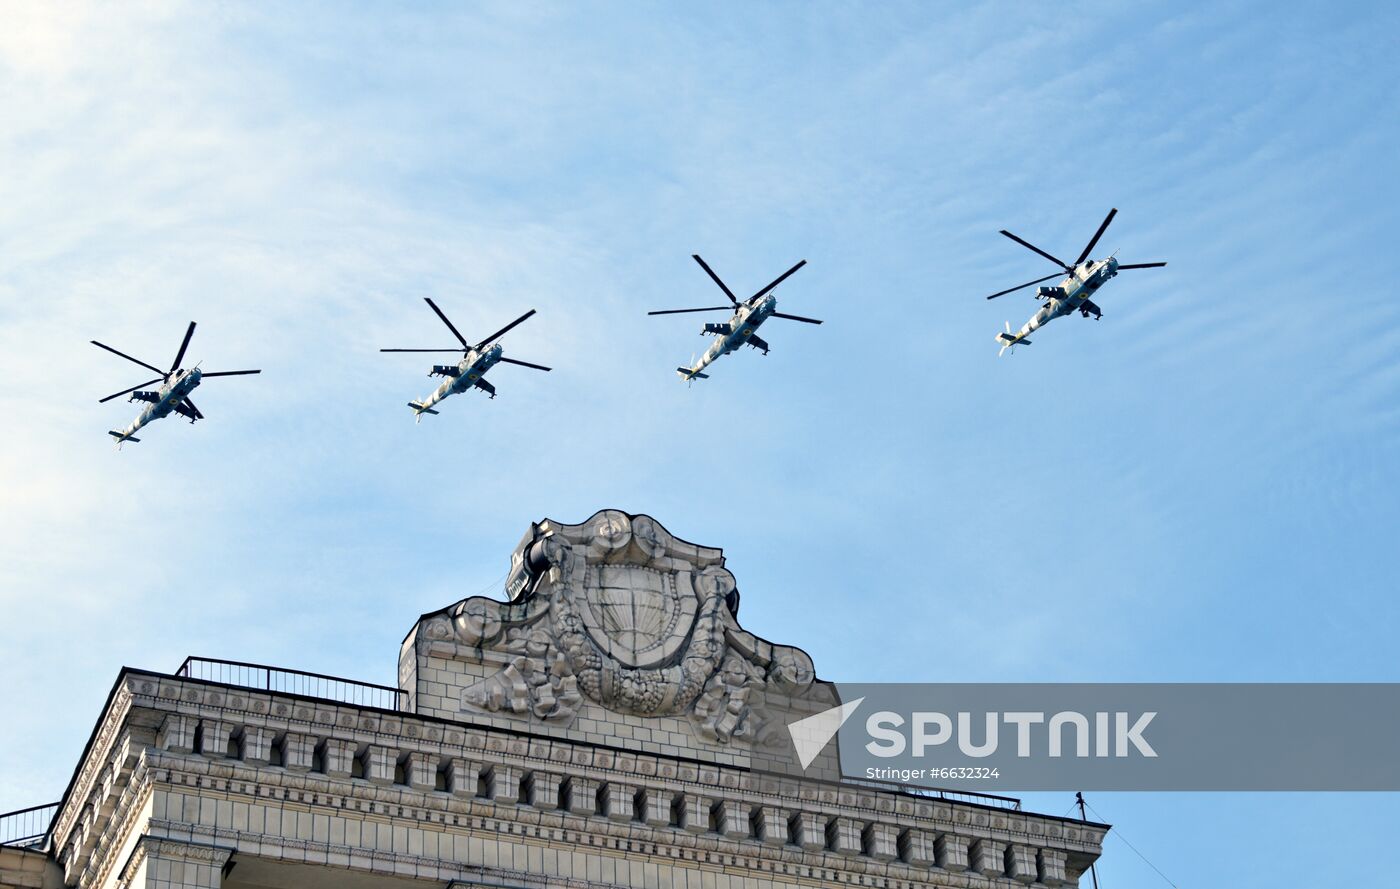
column 1010, row 340
column 419, row 409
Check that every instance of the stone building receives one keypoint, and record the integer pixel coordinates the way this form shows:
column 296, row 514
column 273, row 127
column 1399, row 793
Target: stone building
column 607, row 725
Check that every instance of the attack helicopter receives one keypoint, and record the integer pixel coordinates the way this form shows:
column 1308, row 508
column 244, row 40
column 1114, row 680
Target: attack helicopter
column 476, row 361
column 1083, row 279
column 740, row 329
column 173, row 394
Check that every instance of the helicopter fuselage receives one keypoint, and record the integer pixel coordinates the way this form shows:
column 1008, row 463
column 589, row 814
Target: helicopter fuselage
column 1071, row 295
column 164, row 400
column 467, row 373
column 738, row 331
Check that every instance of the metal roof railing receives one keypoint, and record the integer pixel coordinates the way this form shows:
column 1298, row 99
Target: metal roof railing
column 292, row 682
column 27, row 827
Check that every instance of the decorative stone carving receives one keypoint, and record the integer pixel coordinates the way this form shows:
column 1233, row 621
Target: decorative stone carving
column 618, row 611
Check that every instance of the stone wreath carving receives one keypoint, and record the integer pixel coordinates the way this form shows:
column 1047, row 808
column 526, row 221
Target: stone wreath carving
column 618, row 611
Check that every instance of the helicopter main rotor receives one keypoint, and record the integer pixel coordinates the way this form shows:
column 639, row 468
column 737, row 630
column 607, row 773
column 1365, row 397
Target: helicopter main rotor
column 467, row 347
column 734, row 302
column 165, row 375
column 1067, row 268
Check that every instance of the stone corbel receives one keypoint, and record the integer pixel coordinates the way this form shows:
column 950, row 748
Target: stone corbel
column 542, row 790
column 337, row 757
column 988, row 857
column 1052, row 867
column 177, row 733
column 1021, row 863
column 582, row 795
column 916, row 847
column 951, row 852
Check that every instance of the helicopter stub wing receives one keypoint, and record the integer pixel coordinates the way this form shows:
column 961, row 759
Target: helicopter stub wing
column 185, row 408
column 485, row 387
column 758, row 343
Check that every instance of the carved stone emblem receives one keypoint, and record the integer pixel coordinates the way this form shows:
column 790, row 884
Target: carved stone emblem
column 619, row 612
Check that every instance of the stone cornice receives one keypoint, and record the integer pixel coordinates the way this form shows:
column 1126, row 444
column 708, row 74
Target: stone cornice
column 147, row 699
column 94, row 757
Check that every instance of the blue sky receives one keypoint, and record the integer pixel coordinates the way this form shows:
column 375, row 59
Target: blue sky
column 1199, row 487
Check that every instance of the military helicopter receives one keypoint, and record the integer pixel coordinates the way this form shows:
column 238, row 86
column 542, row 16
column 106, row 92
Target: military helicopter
column 1085, row 277
column 476, row 361
column 740, row 329
column 173, row 394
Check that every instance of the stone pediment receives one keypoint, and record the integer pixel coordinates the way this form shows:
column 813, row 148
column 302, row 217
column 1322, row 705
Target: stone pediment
column 608, row 623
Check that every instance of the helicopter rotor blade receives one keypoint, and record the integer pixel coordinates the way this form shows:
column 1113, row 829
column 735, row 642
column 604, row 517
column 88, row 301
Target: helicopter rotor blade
column 229, row 373
column 780, row 279
column 421, row 350
column 796, row 318
column 1142, row 265
column 681, row 311
column 524, row 363
column 132, row 389
column 162, row 373
column 1029, row 246
column 1027, row 284
column 455, row 333
column 500, row 333
column 1098, row 234
column 711, row 272
column 185, row 344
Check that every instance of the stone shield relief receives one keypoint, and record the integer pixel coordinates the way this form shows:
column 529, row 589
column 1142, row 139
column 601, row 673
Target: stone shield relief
column 627, row 616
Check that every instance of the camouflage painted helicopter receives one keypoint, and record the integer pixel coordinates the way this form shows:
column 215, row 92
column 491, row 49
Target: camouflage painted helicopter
column 740, row 329
column 1084, row 278
column 469, row 372
column 173, row 394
